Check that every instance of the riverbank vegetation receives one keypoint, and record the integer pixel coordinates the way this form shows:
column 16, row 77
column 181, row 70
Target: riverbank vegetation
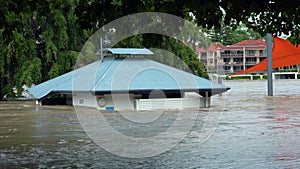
column 254, row 77
column 40, row 40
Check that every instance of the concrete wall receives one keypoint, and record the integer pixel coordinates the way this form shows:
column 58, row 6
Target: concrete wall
column 117, row 102
column 170, row 103
column 104, row 102
column 84, row 99
column 133, row 102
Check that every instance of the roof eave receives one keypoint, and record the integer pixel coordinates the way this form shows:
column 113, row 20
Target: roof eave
column 202, row 92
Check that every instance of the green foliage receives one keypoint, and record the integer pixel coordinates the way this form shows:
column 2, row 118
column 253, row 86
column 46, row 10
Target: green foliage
column 64, row 64
column 38, row 41
column 169, row 51
column 133, row 42
column 237, row 78
column 254, row 77
column 228, row 35
column 30, row 72
column 259, row 77
column 285, row 70
column 188, row 56
column 87, row 55
column 295, row 39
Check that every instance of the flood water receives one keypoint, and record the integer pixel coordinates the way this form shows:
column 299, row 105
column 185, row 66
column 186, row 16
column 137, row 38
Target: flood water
column 253, row 131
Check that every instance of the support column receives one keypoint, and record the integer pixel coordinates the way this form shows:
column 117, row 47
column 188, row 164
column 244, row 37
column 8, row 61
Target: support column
column 38, row 102
column 207, row 100
column 244, row 58
column 137, row 104
column 101, row 48
column 220, row 81
column 269, row 54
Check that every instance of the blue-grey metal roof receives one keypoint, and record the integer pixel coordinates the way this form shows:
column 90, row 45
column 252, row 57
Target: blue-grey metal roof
column 130, row 51
column 126, row 75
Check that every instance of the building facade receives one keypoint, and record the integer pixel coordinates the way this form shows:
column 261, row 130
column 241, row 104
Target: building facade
column 242, row 55
column 210, row 57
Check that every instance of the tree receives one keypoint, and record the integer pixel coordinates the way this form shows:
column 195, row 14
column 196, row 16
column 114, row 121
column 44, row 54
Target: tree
column 35, row 42
column 168, row 51
column 228, row 35
column 275, row 16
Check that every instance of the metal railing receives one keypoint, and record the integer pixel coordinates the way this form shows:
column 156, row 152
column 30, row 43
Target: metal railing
column 231, row 55
column 231, row 71
column 251, row 63
column 232, row 63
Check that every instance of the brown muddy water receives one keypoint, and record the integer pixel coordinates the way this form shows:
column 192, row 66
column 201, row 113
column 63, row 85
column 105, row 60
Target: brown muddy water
column 253, row 131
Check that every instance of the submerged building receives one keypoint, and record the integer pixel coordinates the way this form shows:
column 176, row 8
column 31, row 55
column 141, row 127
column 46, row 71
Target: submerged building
column 130, row 83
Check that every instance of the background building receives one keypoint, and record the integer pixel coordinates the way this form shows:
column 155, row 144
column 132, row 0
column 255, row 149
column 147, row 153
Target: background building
column 226, row 60
column 210, row 57
column 242, row 55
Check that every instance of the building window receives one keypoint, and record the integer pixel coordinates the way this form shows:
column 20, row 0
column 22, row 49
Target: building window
column 81, row 101
column 233, row 52
column 262, row 53
column 225, row 52
column 237, row 68
column 247, row 66
column 237, row 60
column 240, row 52
column 261, row 58
column 250, row 60
column 226, row 60
column 250, row 52
column 204, row 61
column 227, row 67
